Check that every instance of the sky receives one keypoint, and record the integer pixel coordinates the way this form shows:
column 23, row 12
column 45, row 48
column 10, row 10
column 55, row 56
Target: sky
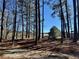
column 49, row 21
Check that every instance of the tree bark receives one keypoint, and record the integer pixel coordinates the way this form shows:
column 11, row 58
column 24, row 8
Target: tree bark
column 36, row 18
column 67, row 17
column 75, row 20
column 62, row 22
column 2, row 19
column 14, row 24
column 39, row 18
column 42, row 18
column 78, row 16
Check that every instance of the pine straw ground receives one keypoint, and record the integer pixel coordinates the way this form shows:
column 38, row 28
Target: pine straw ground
column 45, row 49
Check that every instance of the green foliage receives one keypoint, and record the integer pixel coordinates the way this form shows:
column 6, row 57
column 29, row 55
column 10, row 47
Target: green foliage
column 54, row 33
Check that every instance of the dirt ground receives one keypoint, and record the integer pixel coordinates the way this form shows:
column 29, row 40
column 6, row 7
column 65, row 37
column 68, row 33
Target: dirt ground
column 45, row 49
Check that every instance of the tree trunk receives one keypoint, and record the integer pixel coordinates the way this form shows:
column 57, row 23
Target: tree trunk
column 67, row 17
column 29, row 20
column 62, row 23
column 78, row 16
column 14, row 24
column 7, row 26
column 2, row 20
column 36, row 18
column 42, row 18
column 22, row 21
column 39, row 18
column 75, row 24
column 22, row 26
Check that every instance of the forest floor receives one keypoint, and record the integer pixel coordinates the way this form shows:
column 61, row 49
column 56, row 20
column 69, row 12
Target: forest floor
column 45, row 49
